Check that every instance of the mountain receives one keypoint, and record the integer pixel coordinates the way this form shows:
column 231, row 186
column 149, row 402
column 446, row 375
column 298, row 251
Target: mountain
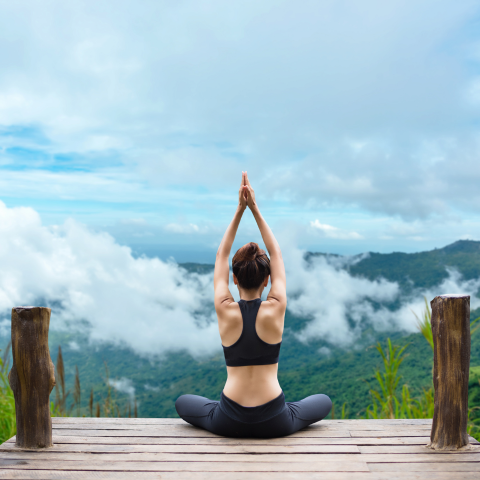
column 418, row 270
column 304, row 369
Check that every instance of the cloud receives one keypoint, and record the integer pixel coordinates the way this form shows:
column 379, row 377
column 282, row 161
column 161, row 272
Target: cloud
column 96, row 287
column 333, row 232
column 146, row 304
column 329, row 297
column 152, row 388
column 340, row 306
column 454, row 283
column 324, row 105
column 123, row 385
column 73, row 345
column 177, row 228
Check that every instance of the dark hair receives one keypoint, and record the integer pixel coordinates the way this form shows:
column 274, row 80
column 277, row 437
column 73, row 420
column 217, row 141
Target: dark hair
column 251, row 266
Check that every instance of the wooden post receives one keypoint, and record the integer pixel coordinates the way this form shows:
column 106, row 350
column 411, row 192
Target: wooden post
column 32, row 376
column 451, row 364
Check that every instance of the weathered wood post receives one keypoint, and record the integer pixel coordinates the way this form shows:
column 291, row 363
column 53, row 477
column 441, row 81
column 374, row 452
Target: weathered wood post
column 451, row 364
column 32, row 376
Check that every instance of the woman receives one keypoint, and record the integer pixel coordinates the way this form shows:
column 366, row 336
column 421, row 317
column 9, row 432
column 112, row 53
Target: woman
column 252, row 403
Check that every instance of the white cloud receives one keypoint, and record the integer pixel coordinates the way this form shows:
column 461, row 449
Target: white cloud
column 149, row 305
column 123, row 385
column 152, row 388
column 452, row 284
column 209, row 88
column 186, row 228
column 327, row 295
column 333, row 232
column 153, row 306
column 73, row 345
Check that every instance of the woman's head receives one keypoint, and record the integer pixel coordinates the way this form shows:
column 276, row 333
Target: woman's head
column 251, row 266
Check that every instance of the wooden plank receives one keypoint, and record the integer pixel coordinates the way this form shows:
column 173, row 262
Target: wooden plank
column 413, row 449
column 85, row 458
column 65, row 440
column 49, row 456
column 117, row 420
column 166, row 421
column 431, row 456
column 149, row 427
column 99, row 465
column 81, row 475
column 386, row 433
column 427, row 467
column 232, row 448
column 168, row 428
column 190, row 431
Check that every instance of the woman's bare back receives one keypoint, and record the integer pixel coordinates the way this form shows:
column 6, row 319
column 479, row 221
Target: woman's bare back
column 252, row 385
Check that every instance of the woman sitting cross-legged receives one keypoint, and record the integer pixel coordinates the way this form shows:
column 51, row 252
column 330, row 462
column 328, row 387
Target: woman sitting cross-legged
column 252, row 403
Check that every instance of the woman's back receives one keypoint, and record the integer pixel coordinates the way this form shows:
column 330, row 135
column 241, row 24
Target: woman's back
column 251, row 333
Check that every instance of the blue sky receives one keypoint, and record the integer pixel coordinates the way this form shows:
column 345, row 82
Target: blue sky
column 358, row 122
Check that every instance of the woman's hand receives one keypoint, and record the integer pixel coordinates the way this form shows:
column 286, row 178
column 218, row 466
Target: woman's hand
column 249, row 192
column 242, row 194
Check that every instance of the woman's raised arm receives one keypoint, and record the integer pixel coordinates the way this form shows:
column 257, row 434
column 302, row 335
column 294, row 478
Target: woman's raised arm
column 222, row 270
column 278, row 291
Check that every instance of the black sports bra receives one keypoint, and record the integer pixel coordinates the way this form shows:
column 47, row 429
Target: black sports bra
column 250, row 349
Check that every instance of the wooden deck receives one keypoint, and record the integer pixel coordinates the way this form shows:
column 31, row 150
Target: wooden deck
column 165, row 448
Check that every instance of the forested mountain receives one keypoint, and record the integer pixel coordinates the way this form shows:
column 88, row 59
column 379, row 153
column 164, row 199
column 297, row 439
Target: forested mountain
column 419, row 270
column 305, row 369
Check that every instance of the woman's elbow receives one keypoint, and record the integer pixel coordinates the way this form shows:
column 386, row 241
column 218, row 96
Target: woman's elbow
column 276, row 253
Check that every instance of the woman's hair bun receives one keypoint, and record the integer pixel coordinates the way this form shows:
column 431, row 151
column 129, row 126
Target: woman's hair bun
column 251, row 266
column 251, row 252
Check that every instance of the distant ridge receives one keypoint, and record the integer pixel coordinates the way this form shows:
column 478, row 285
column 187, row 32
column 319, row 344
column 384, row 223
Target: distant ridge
column 422, row 269
column 410, row 270
column 466, row 246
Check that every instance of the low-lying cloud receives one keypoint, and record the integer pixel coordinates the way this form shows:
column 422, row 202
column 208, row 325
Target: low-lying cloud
column 340, row 306
column 123, row 385
column 150, row 305
column 95, row 286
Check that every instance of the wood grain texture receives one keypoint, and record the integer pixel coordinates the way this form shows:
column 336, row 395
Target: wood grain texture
column 182, row 466
column 137, row 441
column 394, row 450
column 58, row 428
column 455, row 469
column 179, row 457
column 413, row 449
column 394, row 432
column 79, row 475
column 174, row 421
column 89, row 459
column 194, row 432
column 32, row 376
column 451, row 366
column 239, row 448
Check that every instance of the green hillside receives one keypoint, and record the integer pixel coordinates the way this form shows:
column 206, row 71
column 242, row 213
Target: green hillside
column 419, row 270
column 343, row 374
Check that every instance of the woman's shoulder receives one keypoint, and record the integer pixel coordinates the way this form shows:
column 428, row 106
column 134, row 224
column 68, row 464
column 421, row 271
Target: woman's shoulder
column 272, row 309
column 275, row 303
column 228, row 311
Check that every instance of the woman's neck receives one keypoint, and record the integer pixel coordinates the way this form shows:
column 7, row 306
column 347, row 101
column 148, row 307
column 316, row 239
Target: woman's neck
column 249, row 295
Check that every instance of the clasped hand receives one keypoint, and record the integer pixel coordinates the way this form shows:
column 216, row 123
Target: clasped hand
column 246, row 195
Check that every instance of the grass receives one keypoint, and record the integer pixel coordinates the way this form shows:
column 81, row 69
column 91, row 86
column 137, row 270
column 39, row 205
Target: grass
column 110, row 406
column 7, row 402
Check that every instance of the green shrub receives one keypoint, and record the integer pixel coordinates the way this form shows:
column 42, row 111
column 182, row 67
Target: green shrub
column 8, row 425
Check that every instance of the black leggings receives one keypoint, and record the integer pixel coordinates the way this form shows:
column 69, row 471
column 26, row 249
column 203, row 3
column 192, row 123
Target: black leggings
column 276, row 418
